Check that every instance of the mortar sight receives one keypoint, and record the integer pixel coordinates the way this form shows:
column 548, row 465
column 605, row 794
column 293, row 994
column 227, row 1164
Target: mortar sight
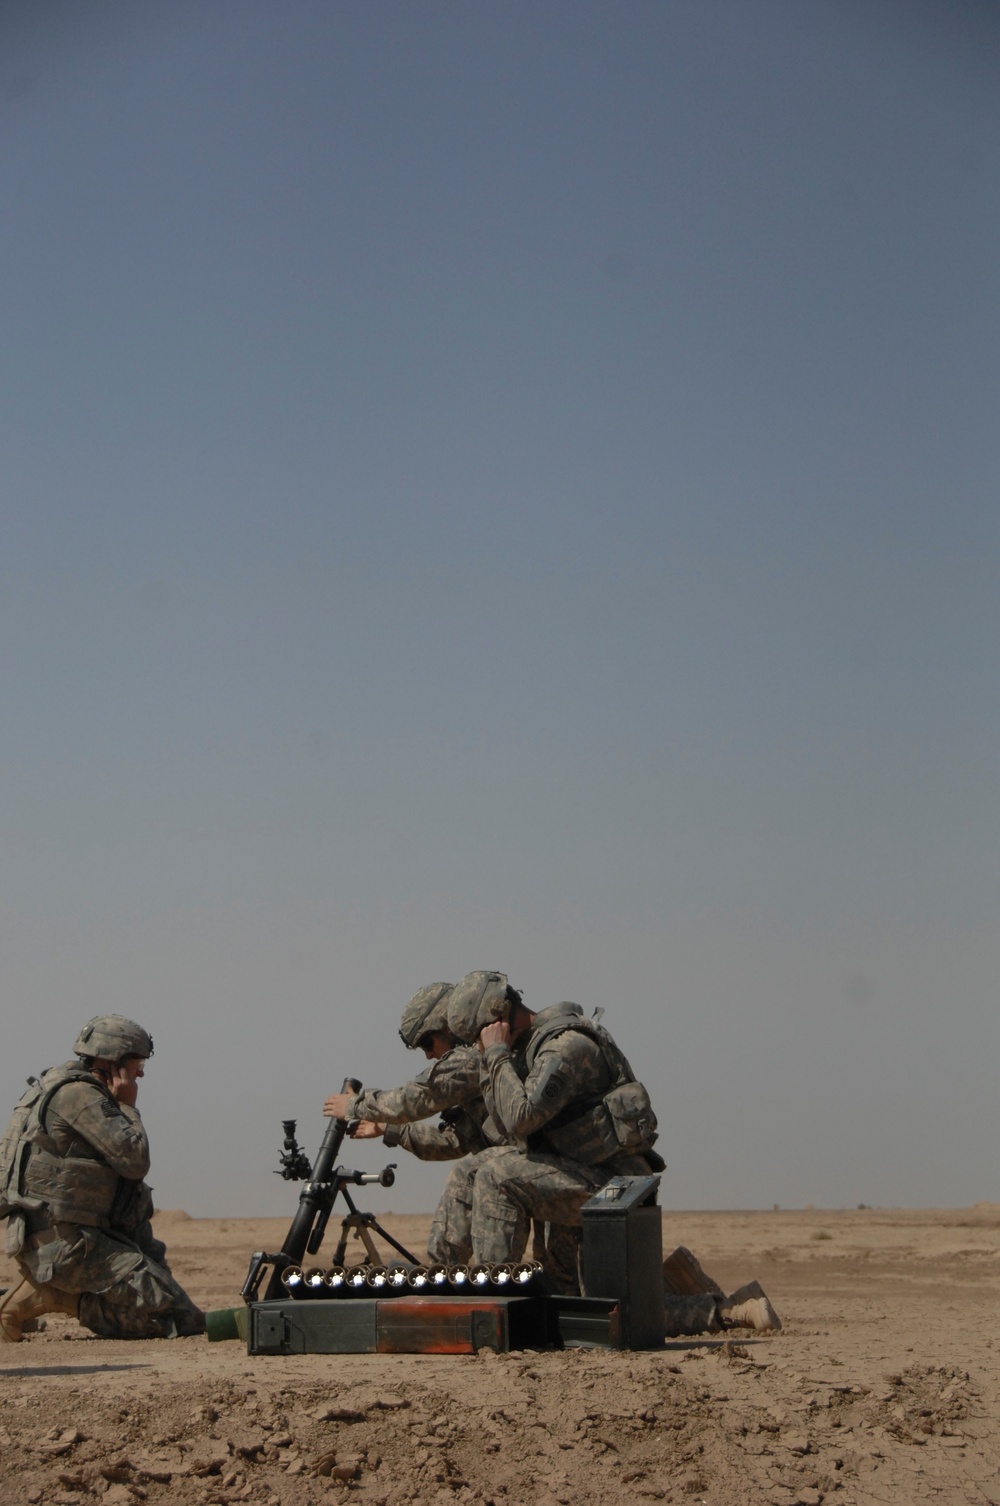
column 295, row 1165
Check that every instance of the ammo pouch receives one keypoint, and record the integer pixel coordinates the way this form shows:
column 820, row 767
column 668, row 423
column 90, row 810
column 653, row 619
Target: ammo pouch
column 132, row 1206
column 632, row 1115
column 73, row 1189
column 621, row 1123
column 15, row 1235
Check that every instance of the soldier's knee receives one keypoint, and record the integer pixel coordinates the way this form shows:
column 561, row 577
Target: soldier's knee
column 490, row 1178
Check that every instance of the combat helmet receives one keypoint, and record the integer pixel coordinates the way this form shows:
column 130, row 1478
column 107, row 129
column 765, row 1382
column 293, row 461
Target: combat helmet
column 113, row 1037
column 426, row 1012
column 475, row 1001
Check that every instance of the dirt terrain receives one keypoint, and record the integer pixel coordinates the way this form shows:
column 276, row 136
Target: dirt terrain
column 882, row 1387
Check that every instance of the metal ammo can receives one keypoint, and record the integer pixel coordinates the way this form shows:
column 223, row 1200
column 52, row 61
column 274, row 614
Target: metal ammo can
column 623, row 1256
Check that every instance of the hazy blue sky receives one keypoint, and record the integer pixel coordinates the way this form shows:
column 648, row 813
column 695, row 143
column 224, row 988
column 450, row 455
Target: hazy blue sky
column 507, row 485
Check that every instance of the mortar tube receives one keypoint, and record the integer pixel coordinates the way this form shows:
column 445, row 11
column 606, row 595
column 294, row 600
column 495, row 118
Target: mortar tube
column 336, row 1280
column 417, row 1279
column 357, row 1277
column 377, row 1277
column 292, row 1279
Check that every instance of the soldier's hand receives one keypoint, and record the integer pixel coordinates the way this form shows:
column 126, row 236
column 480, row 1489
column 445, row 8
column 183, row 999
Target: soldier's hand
column 367, row 1129
column 335, row 1106
column 124, row 1081
column 495, row 1034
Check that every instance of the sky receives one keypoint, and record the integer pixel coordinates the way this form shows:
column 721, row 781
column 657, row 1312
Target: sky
column 508, row 486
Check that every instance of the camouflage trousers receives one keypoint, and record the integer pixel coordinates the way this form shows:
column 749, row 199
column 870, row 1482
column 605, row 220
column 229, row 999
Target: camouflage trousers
column 556, row 1243
column 125, row 1286
column 512, row 1187
column 450, row 1239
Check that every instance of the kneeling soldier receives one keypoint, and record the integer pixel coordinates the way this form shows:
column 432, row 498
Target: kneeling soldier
column 78, row 1213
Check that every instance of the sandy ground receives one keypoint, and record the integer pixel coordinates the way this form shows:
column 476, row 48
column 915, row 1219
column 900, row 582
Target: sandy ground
column 883, row 1387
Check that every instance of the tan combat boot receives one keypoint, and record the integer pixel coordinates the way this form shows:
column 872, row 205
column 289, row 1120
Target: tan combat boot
column 749, row 1308
column 25, row 1302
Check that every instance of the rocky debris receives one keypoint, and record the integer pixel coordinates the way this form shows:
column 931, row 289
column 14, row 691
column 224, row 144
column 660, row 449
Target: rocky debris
column 684, row 1277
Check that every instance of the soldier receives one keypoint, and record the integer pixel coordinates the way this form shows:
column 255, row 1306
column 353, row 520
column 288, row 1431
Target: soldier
column 568, row 1103
column 78, row 1212
column 448, row 1087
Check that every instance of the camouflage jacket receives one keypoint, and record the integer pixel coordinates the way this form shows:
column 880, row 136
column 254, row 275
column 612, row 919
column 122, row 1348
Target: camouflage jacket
column 456, row 1134
column 449, row 1083
column 81, row 1121
column 551, row 1093
column 449, row 1087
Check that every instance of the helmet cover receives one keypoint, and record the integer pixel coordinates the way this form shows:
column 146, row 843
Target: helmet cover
column 425, row 1012
column 113, row 1037
column 474, row 1002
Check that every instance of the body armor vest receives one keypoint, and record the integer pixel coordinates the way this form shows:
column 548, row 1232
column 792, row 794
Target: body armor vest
column 36, row 1178
column 619, row 1121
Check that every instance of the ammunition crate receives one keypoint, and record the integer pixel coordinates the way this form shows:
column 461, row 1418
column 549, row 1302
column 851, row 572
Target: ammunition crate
column 400, row 1325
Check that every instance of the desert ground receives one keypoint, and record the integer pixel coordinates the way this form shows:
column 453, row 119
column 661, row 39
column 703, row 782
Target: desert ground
column 882, row 1387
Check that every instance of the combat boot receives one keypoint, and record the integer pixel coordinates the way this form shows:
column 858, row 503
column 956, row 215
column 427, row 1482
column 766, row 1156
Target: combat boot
column 25, row 1302
column 748, row 1307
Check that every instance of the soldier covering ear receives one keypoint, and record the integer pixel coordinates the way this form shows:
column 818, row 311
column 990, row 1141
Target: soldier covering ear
column 72, row 1163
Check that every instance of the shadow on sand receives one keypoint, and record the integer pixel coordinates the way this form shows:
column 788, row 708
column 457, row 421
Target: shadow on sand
column 31, row 1370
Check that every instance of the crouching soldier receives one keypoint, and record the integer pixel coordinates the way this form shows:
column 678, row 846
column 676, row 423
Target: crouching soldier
column 72, row 1162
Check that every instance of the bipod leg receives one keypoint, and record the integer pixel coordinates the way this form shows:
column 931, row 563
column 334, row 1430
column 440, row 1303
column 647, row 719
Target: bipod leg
column 360, row 1223
column 384, row 1234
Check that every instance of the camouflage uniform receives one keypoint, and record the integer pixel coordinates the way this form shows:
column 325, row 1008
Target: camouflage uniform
column 560, row 1150
column 92, row 1234
column 450, row 1239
